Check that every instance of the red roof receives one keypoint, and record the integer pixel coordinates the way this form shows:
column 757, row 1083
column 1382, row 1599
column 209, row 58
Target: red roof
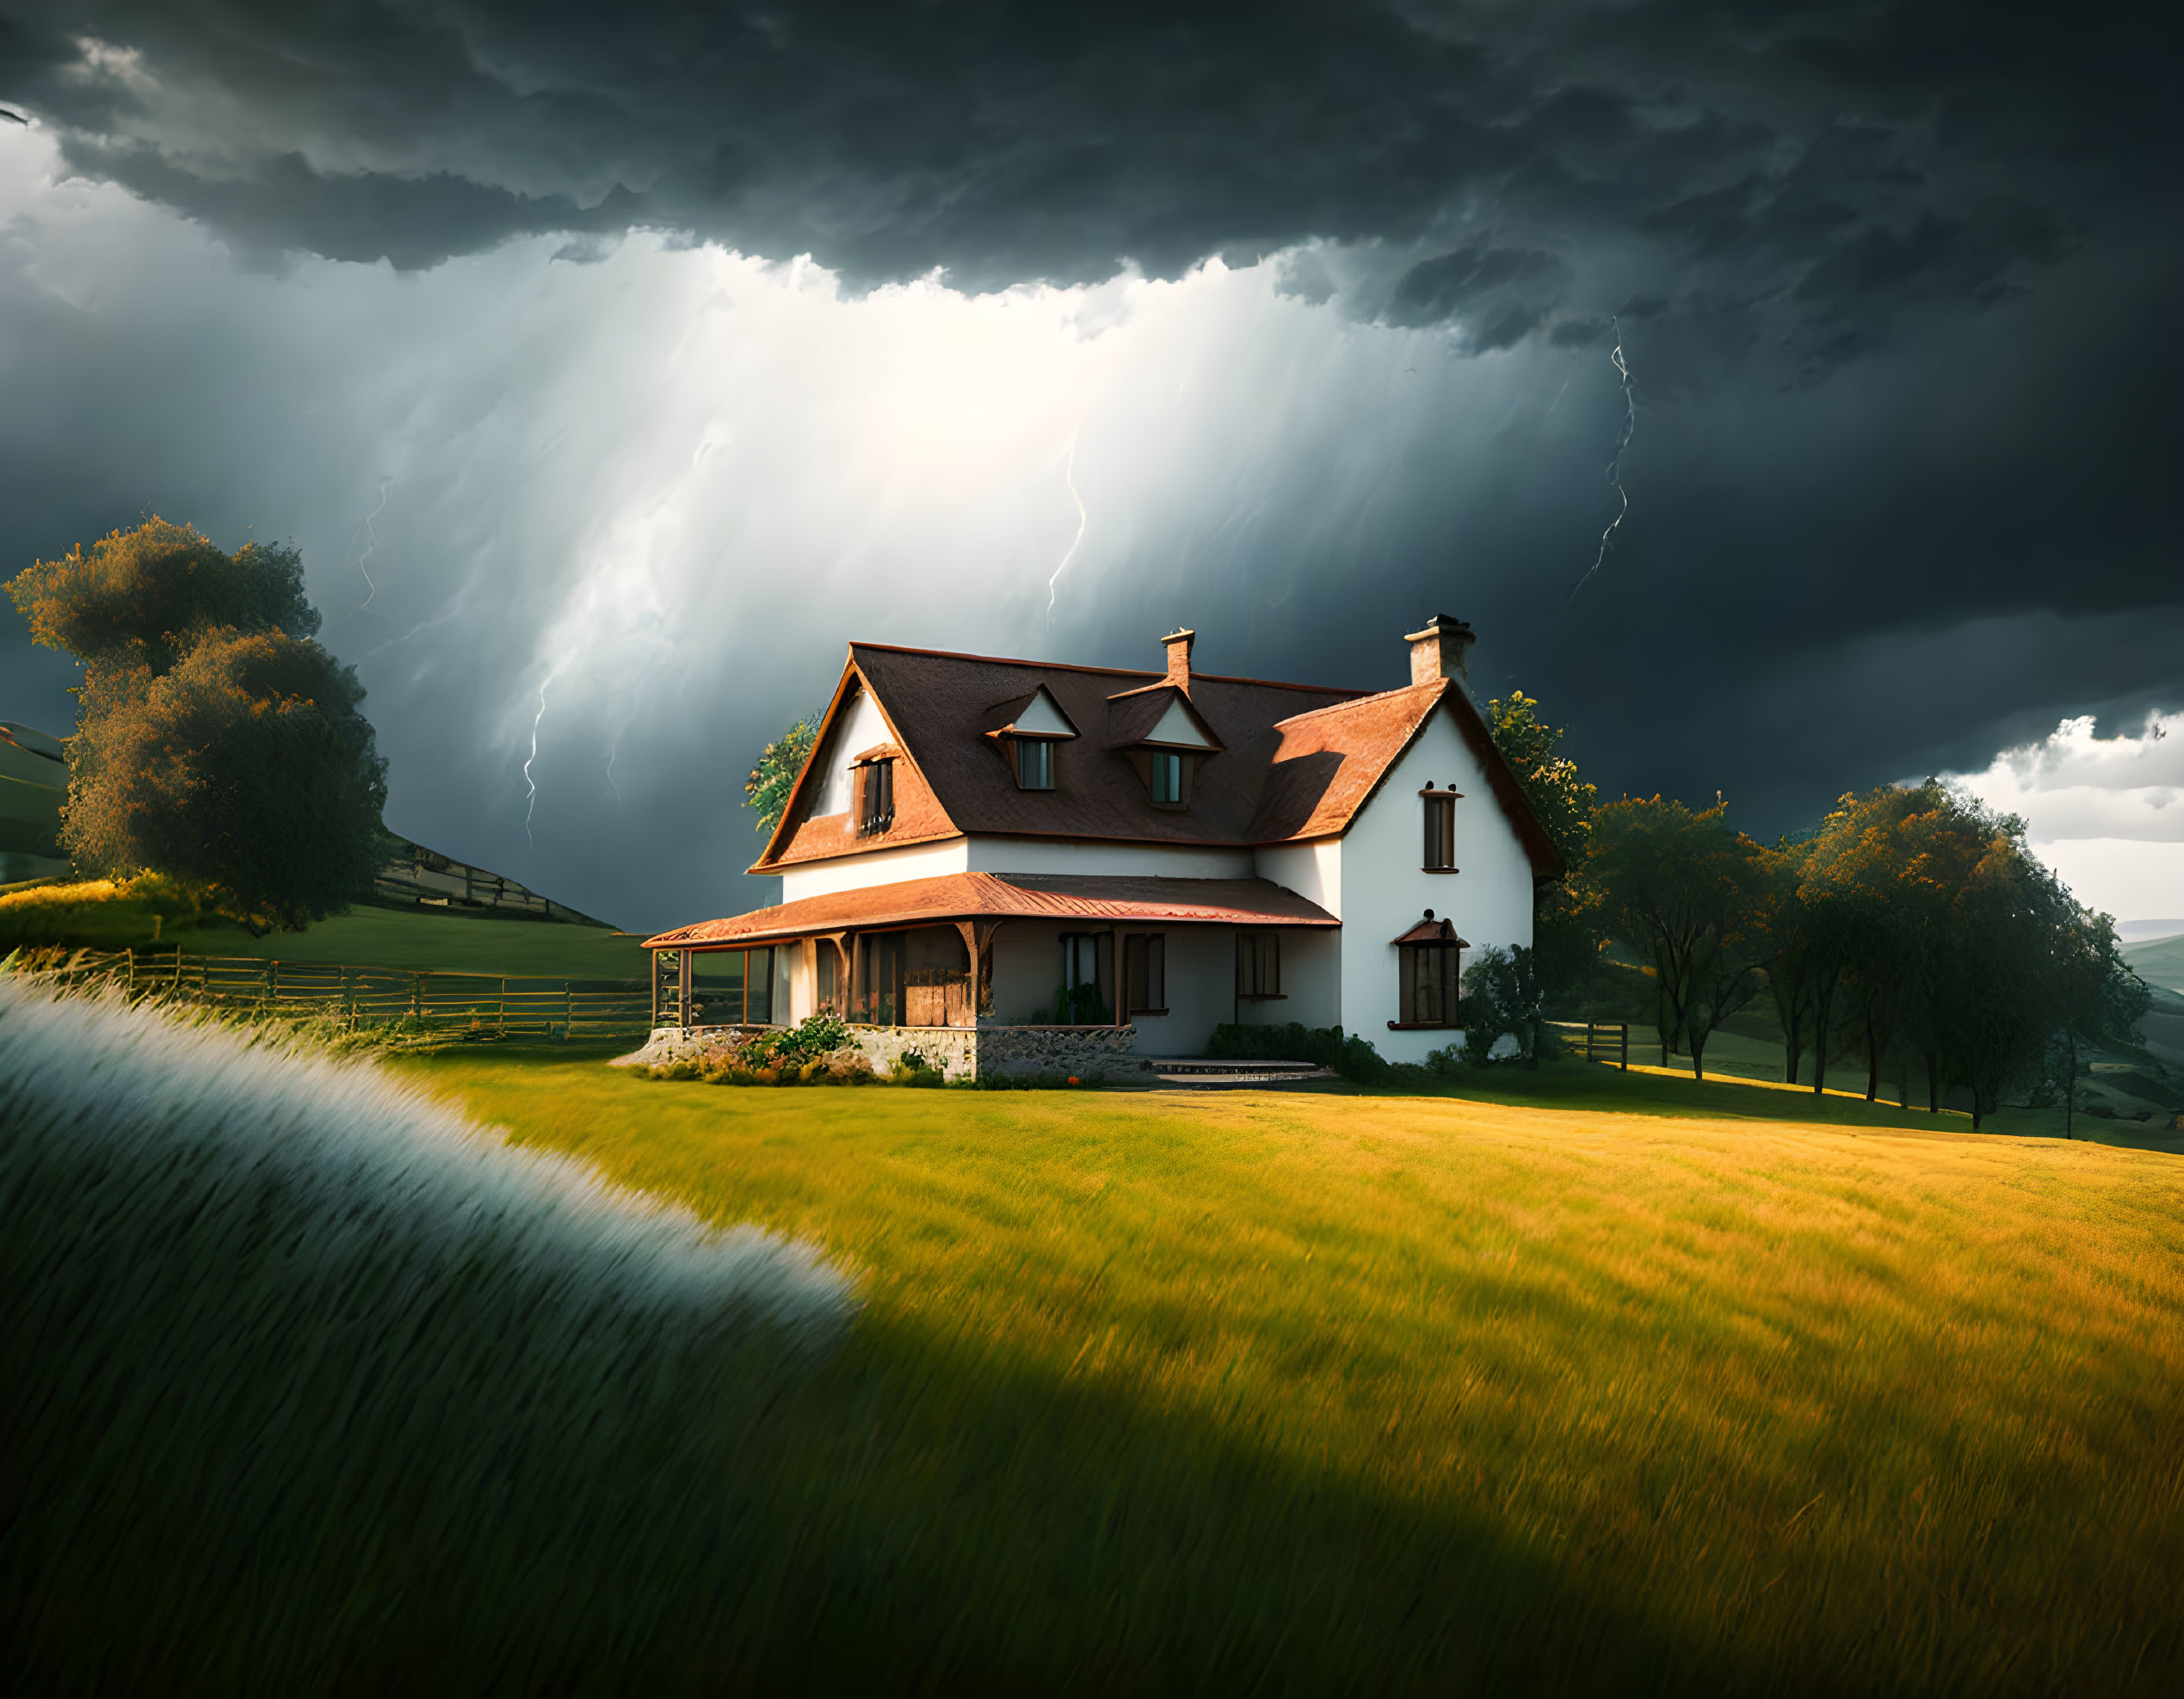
column 1297, row 762
column 976, row 896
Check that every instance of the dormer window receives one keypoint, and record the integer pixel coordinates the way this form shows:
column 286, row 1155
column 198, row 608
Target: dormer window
column 1158, row 731
column 875, row 795
column 1035, row 763
column 1440, row 811
column 1028, row 732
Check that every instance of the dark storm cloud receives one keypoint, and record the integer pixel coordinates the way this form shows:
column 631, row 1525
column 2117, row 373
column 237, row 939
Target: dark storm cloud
column 1846, row 158
column 1898, row 283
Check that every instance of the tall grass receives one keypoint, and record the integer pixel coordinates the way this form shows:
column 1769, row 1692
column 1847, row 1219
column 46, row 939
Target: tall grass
column 306, row 1382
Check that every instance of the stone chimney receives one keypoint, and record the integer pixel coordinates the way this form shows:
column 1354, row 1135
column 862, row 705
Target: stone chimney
column 1178, row 644
column 1437, row 652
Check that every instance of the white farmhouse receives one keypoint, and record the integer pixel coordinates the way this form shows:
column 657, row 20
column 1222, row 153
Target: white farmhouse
column 1025, row 864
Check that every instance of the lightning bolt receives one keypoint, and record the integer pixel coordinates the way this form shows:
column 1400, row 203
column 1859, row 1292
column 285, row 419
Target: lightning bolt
column 614, row 755
column 531, row 796
column 1068, row 477
column 371, row 588
column 1615, row 460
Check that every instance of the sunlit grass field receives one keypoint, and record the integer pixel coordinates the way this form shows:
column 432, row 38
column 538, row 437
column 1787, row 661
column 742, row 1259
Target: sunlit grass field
column 1622, row 1383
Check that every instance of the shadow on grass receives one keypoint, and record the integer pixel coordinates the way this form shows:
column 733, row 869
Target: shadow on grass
column 910, row 1518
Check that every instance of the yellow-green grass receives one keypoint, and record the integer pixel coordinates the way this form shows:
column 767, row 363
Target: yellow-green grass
column 102, row 915
column 1336, row 1393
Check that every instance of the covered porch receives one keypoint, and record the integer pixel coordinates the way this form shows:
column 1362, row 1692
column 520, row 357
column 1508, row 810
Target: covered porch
column 976, row 952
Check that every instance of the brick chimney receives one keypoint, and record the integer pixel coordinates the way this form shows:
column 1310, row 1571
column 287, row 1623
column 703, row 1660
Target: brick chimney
column 1437, row 652
column 1178, row 645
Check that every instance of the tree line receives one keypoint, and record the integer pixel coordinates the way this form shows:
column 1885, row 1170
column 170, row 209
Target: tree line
column 1911, row 928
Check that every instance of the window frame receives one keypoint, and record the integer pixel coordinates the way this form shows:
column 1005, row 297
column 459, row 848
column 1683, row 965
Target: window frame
column 1155, row 764
column 1144, row 972
column 877, row 775
column 1040, row 751
column 1258, row 964
column 1096, row 949
column 1437, row 819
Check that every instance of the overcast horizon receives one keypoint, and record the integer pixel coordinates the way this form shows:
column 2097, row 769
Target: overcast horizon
column 614, row 373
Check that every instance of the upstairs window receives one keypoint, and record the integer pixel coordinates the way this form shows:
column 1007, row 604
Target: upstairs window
column 1034, row 764
column 1258, row 964
column 875, row 797
column 1170, row 778
column 1440, row 854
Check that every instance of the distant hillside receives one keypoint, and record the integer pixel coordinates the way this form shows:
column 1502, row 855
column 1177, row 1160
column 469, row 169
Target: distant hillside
column 2160, row 962
column 33, row 783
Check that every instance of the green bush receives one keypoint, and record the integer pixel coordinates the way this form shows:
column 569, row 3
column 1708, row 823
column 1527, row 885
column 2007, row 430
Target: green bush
column 1501, row 997
column 911, row 1068
column 1352, row 1057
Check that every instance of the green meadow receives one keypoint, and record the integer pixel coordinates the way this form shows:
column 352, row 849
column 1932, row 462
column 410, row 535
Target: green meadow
column 98, row 915
column 1594, row 1382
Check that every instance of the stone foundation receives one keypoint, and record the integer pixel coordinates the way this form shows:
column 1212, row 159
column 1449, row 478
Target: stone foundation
column 960, row 1053
column 1088, row 1053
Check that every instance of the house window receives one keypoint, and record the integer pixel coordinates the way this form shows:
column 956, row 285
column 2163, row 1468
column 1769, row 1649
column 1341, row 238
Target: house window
column 1170, row 779
column 1145, row 980
column 1034, row 764
column 1258, row 964
column 1428, row 993
column 1081, row 1000
column 1441, row 831
column 875, row 797
column 732, row 988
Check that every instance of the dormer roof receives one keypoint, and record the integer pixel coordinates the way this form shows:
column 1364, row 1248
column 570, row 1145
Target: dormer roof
column 1297, row 762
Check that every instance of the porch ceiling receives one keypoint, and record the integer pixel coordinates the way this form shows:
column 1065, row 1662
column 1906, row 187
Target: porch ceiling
column 992, row 896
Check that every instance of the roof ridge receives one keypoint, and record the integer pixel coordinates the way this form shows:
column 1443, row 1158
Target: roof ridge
column 1361, row 701
column 1116, row 672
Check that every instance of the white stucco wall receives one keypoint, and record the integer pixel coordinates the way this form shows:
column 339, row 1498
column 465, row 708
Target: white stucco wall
column 858, row 728
column 1134, row 860
column 1313, row 871
column 1385, row 891
column 873, row 867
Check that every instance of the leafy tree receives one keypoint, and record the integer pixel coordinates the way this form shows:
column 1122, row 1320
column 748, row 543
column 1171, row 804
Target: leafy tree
column 1502, row 995
column 766, row 790
column 216, row 742
column 1682, row 887
column 1565, row 933
column 140, row 599
column 1794, row 953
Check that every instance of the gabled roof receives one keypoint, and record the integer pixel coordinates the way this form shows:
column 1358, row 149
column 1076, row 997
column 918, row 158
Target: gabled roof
column 979, row 896
column 1293, row 761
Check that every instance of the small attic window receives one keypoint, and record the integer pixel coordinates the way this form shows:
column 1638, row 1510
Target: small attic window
column 875, row 796
column 1035, row 763
column 1170, row 778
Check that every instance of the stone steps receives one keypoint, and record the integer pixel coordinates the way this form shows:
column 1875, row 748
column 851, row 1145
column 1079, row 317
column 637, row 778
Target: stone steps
column 1201, row 1073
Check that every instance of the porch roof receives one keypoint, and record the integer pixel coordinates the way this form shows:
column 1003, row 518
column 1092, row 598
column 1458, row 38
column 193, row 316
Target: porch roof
column 994, row 896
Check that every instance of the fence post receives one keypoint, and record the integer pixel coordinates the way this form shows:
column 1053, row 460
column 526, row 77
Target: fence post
column 417, row 996
column 1626, row 1047
column 568, row 1009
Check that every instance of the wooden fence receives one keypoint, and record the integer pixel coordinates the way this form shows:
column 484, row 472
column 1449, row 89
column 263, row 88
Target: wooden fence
column 1598, row 1040
column 477, row 1005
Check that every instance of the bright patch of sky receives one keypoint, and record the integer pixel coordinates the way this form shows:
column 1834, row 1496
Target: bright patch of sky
column 2106, row 814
